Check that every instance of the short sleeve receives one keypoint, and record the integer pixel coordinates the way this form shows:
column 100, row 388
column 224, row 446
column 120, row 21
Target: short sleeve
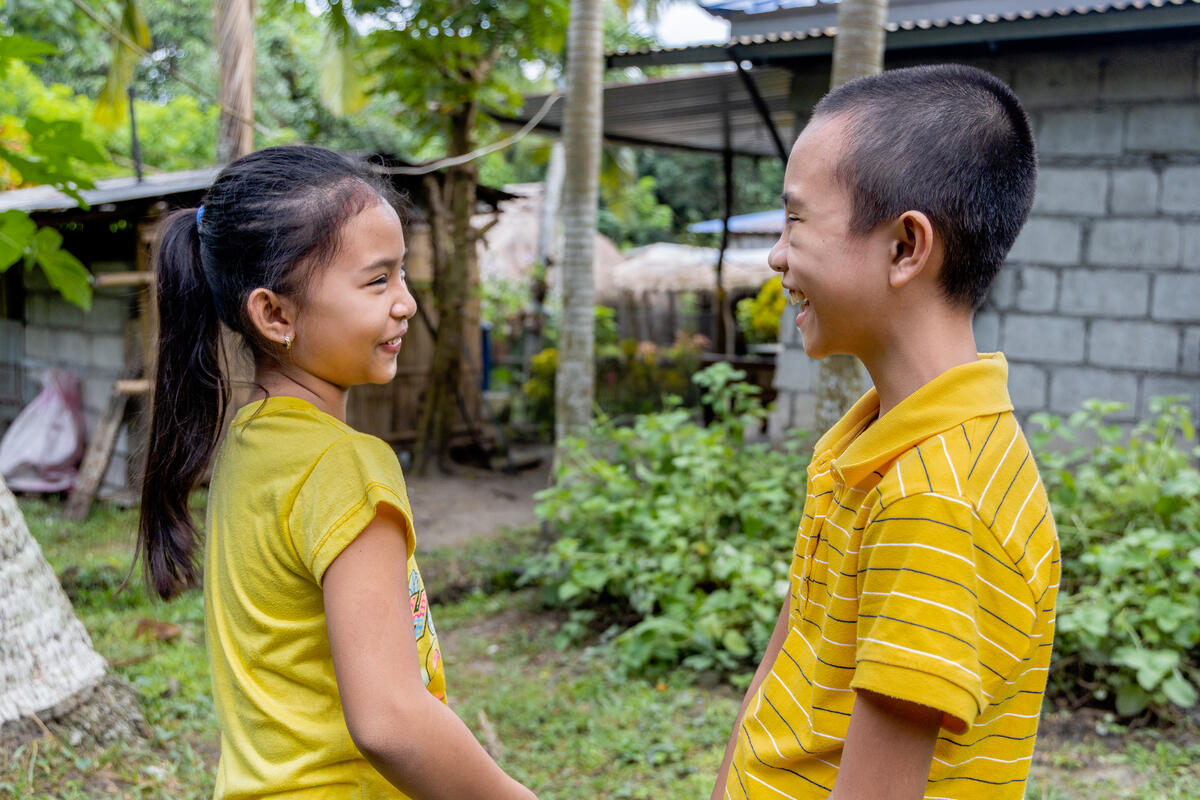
column 918, row 628
column 341, row 494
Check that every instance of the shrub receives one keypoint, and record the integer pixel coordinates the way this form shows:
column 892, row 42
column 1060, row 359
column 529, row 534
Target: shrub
column 1127, row 508
column 758, row 317
column 674, row 536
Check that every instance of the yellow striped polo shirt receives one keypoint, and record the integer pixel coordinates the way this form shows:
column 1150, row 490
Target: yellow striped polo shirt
column 926, row 568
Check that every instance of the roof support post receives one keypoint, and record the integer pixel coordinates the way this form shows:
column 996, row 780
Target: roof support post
column 760, row 105
column 722, row 331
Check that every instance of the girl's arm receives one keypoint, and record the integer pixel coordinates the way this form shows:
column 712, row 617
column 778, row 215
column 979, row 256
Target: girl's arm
column 413, row 739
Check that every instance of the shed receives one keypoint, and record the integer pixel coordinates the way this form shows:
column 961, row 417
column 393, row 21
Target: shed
column 113, row 237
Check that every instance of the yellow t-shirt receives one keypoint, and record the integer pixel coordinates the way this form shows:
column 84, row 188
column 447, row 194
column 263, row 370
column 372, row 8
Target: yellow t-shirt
column 926, row 568
column 292, row 486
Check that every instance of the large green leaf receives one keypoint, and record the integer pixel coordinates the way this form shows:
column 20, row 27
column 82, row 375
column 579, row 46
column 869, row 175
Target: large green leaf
column 16, row 234
column 64, row 272
column 20, row 48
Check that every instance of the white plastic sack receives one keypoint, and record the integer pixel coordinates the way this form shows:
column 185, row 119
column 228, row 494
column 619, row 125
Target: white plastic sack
column 43, row 446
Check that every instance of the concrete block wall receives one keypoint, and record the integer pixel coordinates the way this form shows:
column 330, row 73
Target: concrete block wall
column 90, row 344
column 1100, row 296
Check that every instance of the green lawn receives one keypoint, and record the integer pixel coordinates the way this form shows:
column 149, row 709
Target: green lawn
column 563, row 721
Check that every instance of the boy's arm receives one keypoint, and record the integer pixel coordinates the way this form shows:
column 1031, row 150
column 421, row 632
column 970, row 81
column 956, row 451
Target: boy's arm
column 412, row 738
column 764, row 666
column 888, row 750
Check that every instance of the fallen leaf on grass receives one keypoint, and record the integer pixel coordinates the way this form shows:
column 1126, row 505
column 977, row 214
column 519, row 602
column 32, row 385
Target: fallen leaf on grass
column 157, row 631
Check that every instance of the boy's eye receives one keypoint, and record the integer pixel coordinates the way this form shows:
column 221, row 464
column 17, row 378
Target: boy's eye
column 381, row 280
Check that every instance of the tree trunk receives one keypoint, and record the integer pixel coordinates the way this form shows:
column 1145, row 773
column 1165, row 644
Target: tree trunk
column 574, row 388
column 233, row 25
column 50, row 675
column 454, row 258
column 857, row 51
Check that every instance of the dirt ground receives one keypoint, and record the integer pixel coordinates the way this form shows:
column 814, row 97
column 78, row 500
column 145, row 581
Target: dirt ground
column 452, row 510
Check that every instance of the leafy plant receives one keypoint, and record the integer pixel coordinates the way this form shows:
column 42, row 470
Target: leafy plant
column 1128, row 514
column 758, row 317
column 675, row 537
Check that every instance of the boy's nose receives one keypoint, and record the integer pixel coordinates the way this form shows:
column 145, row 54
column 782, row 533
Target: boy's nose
column 406, row 306
column 777, row 259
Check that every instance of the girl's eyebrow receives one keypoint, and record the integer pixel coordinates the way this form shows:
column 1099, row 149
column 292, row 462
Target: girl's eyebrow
column 792, row 200
column 384, row 261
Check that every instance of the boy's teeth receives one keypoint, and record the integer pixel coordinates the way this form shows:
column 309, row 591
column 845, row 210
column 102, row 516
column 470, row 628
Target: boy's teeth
column 796, row 296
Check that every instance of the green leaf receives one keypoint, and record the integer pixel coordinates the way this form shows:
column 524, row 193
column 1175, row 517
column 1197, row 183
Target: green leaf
column 1131, row 700
column 20, row 48
column 1179, row 691
column 735, row 643
column 17, row 231
column 64, row 272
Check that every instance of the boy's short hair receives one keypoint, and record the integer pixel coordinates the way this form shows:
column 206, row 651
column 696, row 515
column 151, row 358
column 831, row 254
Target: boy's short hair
column 950, row 141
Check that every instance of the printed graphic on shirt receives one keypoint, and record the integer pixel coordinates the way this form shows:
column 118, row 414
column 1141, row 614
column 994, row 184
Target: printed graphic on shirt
column 428, row 652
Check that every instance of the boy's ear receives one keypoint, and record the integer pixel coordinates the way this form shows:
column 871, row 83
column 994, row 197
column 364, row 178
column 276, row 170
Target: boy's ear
column 913, row 246
column 273, row 315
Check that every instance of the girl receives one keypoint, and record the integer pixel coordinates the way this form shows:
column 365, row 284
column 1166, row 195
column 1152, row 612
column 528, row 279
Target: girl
column 326, row 673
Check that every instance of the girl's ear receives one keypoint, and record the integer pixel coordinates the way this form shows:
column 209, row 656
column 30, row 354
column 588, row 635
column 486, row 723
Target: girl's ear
column 914, row 248
column 273, row 315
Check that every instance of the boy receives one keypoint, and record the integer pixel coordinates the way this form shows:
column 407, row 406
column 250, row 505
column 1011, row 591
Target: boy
column 910, row 656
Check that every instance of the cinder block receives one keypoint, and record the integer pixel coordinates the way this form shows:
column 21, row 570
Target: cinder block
column 1191, row 351
column 795, row 371
column 789, row 335
column 1037, row 289
column 1165, row 385
column 108, row 352
column 1163, row 129
column 804, row 411
column 1135, row 243
column 1047, row 241
column 1080, row 133
column 66, row 315
column 1134, row 192
column 1070, row 386
column 1191, row 245
column 987, row 331
column 73, row 346
column 1107, row 292
column 1027, row 387
column 1043, row 338
column 1071, row 191
column 1133, row 345
column 1159, row 72
column 779, row 421
column 37, row 309
column 1045, row 80
column 108, row 314
column 1176, row 297
column 39, row 343
column 1002, row 295
column 1181, row 189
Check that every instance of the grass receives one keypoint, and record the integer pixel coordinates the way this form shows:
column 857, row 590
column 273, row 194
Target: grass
column 565, row 722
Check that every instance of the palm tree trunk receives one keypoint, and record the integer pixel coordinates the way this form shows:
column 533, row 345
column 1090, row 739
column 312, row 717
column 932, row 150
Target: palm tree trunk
column 857, row 51
column 233, row 25
column 574, row 388
column 50, row 675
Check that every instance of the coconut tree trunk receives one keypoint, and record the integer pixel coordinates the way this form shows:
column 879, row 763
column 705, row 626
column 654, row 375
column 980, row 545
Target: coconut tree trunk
column 50, row 675
column 857, row 51
column 574, row 387
column 233, row 25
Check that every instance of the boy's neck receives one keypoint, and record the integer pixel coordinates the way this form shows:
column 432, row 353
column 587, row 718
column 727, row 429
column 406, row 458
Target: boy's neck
column 927, row 348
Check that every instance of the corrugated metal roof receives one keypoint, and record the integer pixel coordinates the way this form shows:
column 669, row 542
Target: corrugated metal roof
column 112, row 190
column 957, row 20
column 760, row 222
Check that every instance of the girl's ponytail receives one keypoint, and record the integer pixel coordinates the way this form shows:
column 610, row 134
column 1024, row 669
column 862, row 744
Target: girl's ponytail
column 188, row 409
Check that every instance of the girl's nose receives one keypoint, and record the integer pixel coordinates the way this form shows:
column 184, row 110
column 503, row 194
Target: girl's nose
column 405, row 306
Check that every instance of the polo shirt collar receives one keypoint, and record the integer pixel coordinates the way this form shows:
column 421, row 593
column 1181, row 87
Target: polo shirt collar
column 957, row 395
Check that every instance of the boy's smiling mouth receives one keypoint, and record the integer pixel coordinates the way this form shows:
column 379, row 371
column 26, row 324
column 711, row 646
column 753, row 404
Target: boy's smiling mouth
column 796, row 296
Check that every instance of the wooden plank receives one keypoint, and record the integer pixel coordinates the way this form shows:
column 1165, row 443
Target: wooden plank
column 109, row 280
column 95, row 459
